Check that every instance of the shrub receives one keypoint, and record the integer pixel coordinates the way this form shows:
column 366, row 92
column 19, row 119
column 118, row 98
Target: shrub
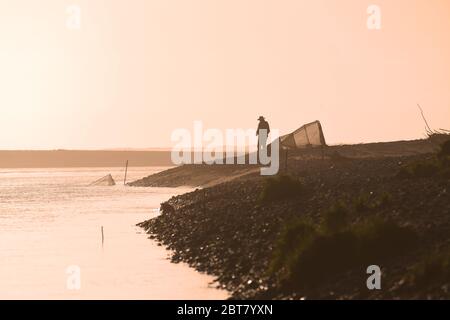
column 437, row 166
column 444, row 158
column 322, row 259
column 384, row 200
column 371, row 201
column 293, row 236
column 445, row 149
column 279, row 188
column 335, row 219
column 361, row 203
column 425, row 169
column 380, row 239
column 320, row 256
column 420, row 169
column 434, row 270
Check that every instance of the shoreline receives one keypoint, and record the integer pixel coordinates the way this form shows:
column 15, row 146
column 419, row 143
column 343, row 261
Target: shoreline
column 225, row 231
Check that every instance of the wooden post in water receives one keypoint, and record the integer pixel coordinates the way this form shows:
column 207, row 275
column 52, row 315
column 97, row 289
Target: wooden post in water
column 125, row 177
column 103, row 237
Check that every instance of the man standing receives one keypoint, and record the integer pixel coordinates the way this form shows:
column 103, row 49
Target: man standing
column 262, row 132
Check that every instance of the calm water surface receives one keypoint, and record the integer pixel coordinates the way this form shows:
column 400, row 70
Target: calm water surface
column 50, row 220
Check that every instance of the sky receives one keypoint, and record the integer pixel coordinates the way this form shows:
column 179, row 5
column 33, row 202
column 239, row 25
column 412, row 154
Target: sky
column 136, row 70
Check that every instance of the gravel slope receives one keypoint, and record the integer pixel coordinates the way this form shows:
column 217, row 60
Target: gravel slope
column 224, row 231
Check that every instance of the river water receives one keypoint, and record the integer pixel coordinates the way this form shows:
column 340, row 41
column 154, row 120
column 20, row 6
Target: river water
column 51, row 241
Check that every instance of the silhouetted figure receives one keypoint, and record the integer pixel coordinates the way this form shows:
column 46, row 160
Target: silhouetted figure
column 262, row 132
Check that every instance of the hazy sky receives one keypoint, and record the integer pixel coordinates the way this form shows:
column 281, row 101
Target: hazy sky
column 138, row 69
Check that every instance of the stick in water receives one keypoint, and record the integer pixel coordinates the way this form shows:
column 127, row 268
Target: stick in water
column 125, row 177
column 103, row 237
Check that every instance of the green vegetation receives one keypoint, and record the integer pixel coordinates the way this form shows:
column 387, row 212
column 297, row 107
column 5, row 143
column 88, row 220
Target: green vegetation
column 369, row 201
column 437, row 166
column 434, row 270
column 279, row 188
column 420, row 169
column 294, row 235
column 361, row 203
column 445, row 150
column 307, row 255
column 335, row 219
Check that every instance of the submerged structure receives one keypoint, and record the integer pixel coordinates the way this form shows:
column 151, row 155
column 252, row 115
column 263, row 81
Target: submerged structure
column 105, row 181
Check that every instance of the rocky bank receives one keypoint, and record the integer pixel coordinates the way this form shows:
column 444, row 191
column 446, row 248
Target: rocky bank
column 225, row 230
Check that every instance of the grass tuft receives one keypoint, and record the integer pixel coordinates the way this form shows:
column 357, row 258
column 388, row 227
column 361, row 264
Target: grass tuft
column 336, row 218
column 434, row 270
column 294, row 235
column 438, row 166
column 445, row 149
column 308, row 255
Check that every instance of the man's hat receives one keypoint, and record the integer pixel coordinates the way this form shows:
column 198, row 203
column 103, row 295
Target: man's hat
column 261, row 118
